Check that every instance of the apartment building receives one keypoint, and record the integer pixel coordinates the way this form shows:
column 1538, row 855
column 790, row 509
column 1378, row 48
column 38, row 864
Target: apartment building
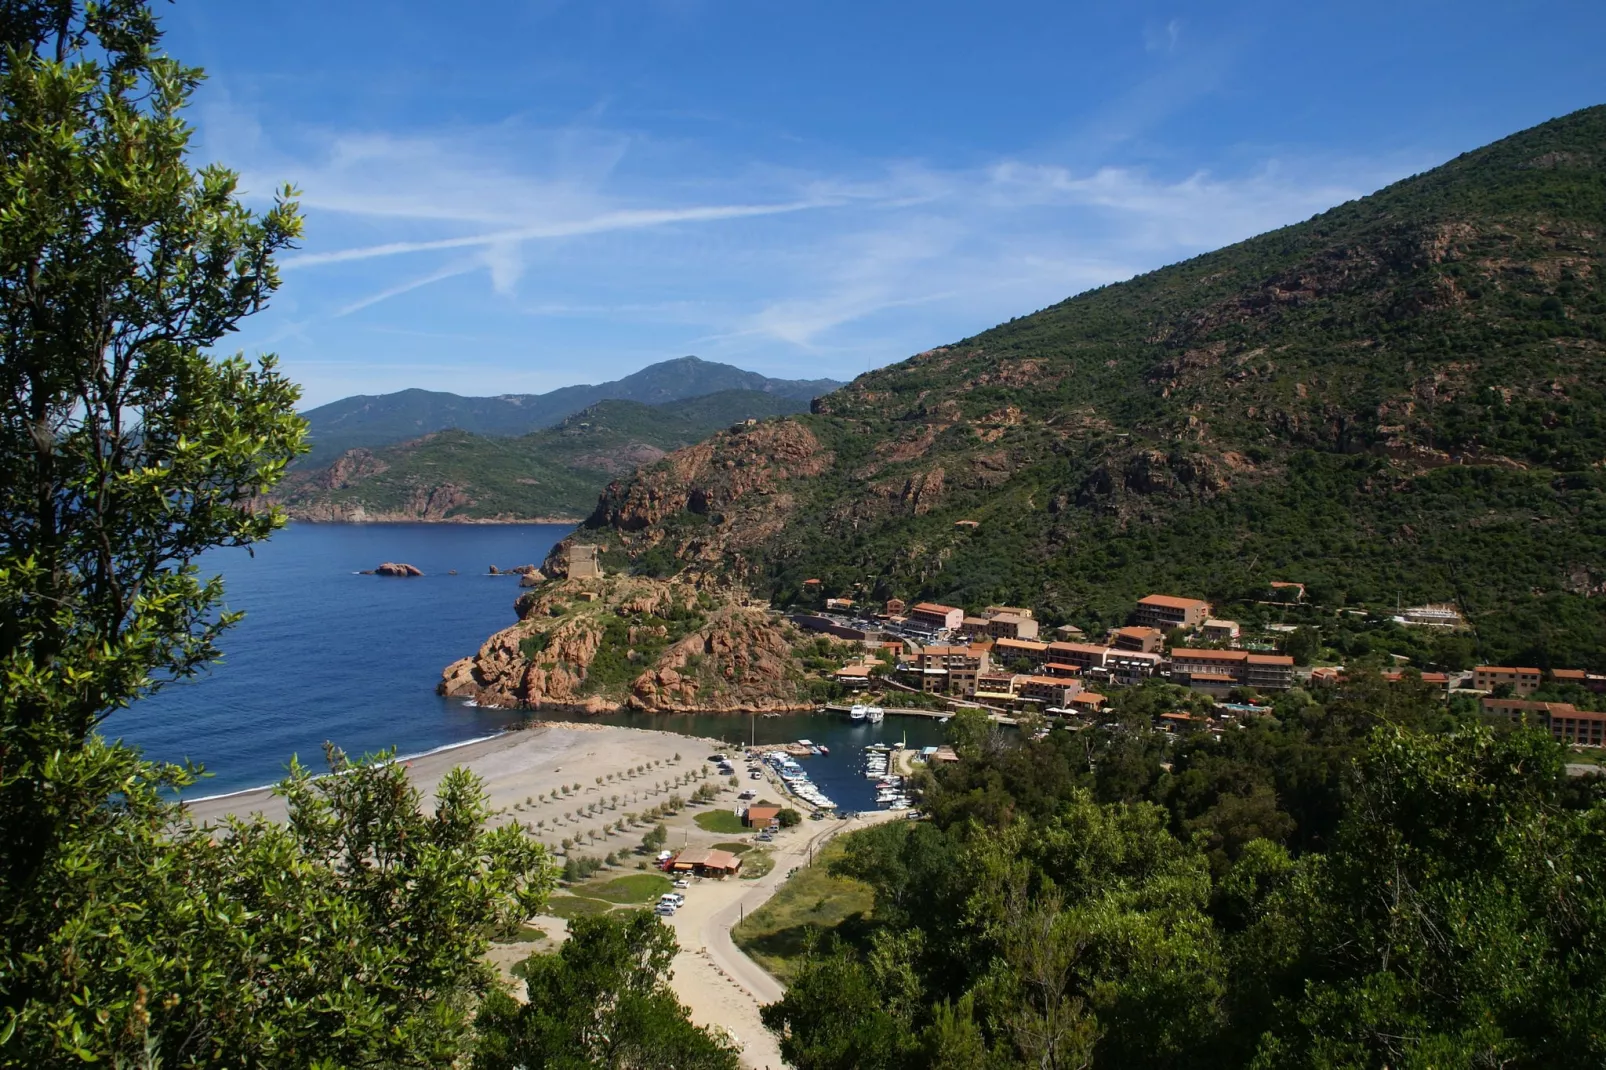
column 1144, row 640
column 1522, row 681
column 1165, row 612
column 1219, row 631
column 1132, row 666
column 1049, row 690
column 997, row 686
column 1007, row 650
column 1212, row 669
column 1011, row 626
column 1084, row 656
column 949, row 669
column 936, row 616
column 1269, row 672
column 1563, row 720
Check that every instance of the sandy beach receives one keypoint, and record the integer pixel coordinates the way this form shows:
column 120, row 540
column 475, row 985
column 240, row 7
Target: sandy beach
column 525, row 773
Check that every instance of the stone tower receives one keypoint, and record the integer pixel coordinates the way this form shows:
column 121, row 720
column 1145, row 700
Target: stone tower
column 583, row 562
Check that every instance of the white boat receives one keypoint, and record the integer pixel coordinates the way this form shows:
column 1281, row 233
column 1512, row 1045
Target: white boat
column 874, row 714
column 858, row 712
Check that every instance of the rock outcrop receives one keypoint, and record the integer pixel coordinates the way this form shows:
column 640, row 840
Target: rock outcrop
column 392, row 568
column 625, row 642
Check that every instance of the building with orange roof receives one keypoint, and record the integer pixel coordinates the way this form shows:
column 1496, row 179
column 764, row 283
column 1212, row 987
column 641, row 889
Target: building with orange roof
column 1522, row 681
column 1088, row 702
column 1165, row 612
column 937, row 615
column 1135, row 637
column 1084, row 656
column 1011, row 626
column 1007, row 650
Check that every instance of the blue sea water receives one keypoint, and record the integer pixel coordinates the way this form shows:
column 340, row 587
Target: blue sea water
column 327, row 654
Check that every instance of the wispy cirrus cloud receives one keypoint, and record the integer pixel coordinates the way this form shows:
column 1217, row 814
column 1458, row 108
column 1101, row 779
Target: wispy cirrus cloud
column 595, row 251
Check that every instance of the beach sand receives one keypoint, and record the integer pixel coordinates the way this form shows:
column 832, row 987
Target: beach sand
column 521, row 772
column 527, row 764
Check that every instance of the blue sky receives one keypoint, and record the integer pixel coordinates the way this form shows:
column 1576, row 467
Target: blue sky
column 511, row 197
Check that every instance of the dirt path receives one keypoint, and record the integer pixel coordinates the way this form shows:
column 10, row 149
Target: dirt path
column 720, row 984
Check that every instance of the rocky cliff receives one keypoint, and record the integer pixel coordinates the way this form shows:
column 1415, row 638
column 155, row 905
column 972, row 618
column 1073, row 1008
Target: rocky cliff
column 636, row 643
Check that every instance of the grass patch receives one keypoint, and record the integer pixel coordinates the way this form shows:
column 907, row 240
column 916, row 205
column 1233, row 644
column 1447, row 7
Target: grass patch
column 721, row 821
column 524, row 934
column 575, row 906
column 756, row 865
column 734, row 848
column 812, row 903
column 636, row 888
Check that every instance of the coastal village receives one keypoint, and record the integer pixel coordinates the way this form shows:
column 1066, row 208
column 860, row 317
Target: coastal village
column 1002, row 659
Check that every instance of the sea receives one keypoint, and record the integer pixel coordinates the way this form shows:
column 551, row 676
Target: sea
column 327, row 654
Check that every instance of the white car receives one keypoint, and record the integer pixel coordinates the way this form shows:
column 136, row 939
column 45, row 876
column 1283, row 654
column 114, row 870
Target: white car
column 664, row 910
column 683, row 883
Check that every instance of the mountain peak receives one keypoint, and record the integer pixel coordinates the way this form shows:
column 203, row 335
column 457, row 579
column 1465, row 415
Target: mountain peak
column 378, row 420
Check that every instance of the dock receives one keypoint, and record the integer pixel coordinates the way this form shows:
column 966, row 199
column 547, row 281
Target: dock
column 904, row 711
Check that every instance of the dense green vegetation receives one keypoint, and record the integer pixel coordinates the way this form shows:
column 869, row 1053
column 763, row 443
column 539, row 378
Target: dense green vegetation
column 1398, row 400
column 353, row 934
column 1364, row 880
column 602, row 1000
column 553, row 472
column 813, row 901
column 368, row 422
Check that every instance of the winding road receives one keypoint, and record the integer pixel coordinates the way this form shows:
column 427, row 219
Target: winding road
column 713, row 977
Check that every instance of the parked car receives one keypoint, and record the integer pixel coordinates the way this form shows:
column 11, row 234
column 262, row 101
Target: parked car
column 664, row 910
column 683, row 883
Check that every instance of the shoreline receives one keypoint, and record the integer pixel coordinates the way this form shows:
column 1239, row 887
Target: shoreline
column 545, row 521
column 443, row 748
column 512, row 765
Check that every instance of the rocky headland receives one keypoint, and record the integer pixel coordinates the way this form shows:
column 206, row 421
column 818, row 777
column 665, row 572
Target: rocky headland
column 617, row 642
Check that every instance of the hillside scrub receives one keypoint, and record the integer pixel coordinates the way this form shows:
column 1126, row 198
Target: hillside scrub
column 1363, row 880
column 1397, row 401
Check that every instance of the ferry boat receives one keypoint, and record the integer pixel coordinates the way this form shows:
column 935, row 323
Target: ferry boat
column 875, row 714
column 858, row 712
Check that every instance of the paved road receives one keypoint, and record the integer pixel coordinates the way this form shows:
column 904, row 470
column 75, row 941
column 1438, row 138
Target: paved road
column 713, row 977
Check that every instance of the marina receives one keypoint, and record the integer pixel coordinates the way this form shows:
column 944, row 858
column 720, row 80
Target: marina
column 837, row 772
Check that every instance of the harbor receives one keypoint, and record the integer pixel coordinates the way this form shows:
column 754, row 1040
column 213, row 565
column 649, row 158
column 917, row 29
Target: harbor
column 838, row 771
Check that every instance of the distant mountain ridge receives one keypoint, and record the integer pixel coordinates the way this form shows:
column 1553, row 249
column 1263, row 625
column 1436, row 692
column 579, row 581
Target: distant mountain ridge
column 370, row 421
column 1400, row 400
column 550, row 474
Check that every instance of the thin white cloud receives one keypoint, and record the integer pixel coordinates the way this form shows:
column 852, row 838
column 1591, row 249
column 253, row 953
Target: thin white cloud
column 601, row 248
column 629, row 219
column 397, row 290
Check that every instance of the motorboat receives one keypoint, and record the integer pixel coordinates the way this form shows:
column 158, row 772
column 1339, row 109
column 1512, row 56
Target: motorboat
column 874, row 714
column 858, row 712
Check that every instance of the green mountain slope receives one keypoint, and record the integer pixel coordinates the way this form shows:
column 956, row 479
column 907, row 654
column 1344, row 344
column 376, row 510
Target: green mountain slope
column 1403, row 398
column 551, row 473
column 371, row 421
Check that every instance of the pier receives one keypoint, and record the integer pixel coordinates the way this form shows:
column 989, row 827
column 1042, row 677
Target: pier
column 939, row 715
